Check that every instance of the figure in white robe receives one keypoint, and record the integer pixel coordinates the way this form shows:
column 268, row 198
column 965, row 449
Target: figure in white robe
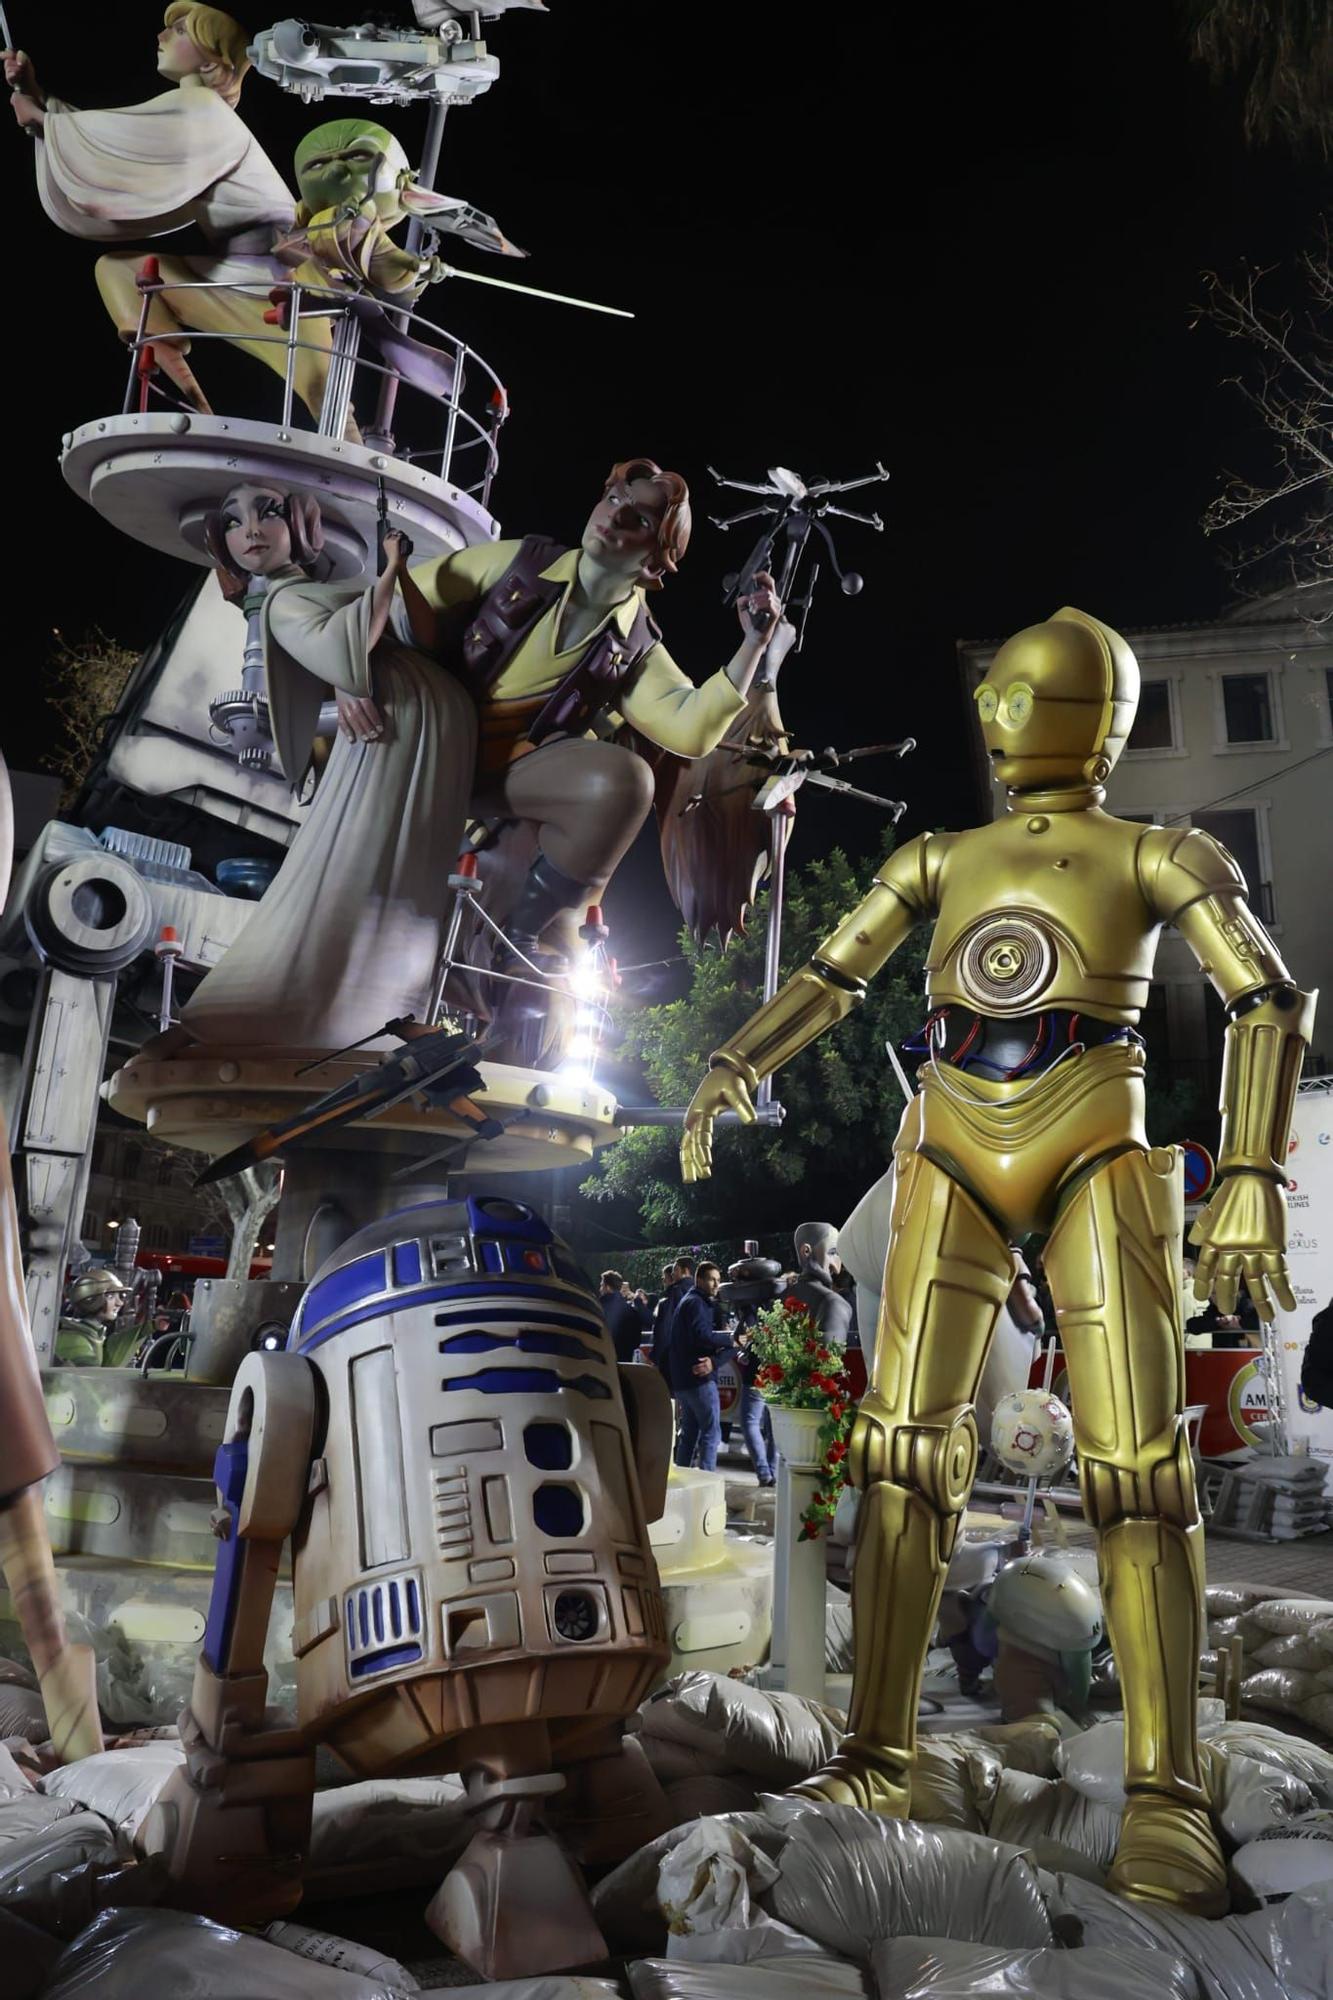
column 134, row 173
column 348, row 934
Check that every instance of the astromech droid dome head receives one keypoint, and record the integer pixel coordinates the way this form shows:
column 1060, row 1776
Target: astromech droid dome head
column 1041, row 1600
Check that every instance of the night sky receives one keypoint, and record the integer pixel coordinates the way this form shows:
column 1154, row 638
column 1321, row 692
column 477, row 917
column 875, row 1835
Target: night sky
column 967, row 245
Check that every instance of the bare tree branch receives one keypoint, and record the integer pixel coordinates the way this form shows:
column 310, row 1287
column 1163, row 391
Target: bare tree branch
column 1289, row 386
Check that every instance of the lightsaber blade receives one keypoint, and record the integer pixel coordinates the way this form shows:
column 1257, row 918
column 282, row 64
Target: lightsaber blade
column 534, row 292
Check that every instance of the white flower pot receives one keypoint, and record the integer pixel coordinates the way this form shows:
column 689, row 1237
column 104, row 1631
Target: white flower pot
column 796, row 1435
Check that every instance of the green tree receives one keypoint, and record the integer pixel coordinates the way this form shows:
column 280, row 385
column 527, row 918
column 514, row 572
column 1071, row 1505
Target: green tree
column 843, row 1103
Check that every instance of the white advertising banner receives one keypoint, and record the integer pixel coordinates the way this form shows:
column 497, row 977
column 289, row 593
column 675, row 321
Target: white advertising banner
column 1310, row 1256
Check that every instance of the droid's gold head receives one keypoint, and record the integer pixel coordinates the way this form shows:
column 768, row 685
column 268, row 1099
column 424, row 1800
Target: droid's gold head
column 1057, row 703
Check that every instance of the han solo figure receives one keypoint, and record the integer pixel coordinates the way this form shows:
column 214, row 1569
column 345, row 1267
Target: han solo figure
column 564, row 660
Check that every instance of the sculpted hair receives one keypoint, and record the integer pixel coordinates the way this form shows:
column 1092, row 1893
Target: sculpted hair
column 611, row 1281
column 217, row 35
column 673, row 535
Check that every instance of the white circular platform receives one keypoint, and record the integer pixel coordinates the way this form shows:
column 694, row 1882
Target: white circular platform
column 214, row 1098
column 155, row 475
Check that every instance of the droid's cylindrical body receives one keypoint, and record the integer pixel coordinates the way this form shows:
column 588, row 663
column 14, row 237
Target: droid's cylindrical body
column 474, row 1553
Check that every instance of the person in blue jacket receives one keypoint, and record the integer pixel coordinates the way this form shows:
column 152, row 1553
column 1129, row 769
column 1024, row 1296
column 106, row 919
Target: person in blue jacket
column 695, row 1345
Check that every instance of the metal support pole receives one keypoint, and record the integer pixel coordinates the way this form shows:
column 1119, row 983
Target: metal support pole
column 777, row 876
column 380, row 431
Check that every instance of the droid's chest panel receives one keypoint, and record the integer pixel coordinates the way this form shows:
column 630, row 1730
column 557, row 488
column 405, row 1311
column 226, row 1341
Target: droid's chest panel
column 1043, row 913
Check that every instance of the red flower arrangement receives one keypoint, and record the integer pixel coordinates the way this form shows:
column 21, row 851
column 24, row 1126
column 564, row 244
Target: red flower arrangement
column 797, row 1371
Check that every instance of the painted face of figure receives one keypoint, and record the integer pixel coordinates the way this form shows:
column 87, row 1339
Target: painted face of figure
column 1057, row 703
column 255, row 529
column 623, row 527
column 177, row 55
column 338, row 164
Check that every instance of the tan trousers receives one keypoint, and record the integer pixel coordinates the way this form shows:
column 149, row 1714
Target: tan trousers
column 586, row 799
column 238, row 316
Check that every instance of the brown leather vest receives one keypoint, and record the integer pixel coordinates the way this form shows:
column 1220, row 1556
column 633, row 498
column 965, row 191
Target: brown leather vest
column 500, row 622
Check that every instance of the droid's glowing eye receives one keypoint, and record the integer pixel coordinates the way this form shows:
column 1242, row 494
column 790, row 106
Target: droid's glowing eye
column 987, row 702
column 1017, row 705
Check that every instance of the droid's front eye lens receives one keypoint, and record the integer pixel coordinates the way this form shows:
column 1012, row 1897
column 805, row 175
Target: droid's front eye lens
column 987, row 703
column 1017, row 705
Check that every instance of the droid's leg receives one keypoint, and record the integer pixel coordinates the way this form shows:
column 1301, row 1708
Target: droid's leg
column 1111, row 1261
column 514, row 1905
column 233, row 1824
column 67, row 1675
column 914, row 1454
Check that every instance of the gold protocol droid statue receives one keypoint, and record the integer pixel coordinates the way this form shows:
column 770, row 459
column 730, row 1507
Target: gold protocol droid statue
column 1030, row 1117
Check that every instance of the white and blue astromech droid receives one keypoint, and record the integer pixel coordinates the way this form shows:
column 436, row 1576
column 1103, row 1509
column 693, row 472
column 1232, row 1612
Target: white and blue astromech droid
column 466, row 1476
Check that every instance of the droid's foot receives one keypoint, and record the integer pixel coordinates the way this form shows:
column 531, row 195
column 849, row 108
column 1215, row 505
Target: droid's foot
column 515, row 1905
column 859, row 1776
column 1168, row 1853
column 69, row 1693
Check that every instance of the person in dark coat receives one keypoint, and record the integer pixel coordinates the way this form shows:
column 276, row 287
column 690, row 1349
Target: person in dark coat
column 695, row 1345
column 679, row 1281
column 623, row 1317
column 1317, row 1360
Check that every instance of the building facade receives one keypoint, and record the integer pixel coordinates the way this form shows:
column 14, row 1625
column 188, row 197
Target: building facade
column 1234, row 734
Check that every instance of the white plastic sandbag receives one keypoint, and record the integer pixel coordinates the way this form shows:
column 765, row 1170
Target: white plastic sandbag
column 694, row 1797
column 121, row 1785
column 911, row 1968
column 1282, row 1615
column 706, row 1882
column 625, row 1901
column 804, row 1977
column 546, row 1986
column 1249, row 1796
column 848, row 1878
column 141, row 1954
column 64, row 1865
column 1277, row 1749
column 1283, row 1952
column 1285, row 1858
column 1049, row 1817
column 386, row 1832
column 773, row 1737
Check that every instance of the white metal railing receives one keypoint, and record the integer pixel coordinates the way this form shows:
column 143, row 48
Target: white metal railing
column 466, row 420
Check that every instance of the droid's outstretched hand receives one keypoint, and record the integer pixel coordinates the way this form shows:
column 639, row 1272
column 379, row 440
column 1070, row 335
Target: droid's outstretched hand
column 1243, row 1234
column 721, row 1090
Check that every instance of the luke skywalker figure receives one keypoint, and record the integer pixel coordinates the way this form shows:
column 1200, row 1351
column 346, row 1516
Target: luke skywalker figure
column 1030, row 1117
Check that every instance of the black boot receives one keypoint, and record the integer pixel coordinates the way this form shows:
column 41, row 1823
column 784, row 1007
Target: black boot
column 547, row 891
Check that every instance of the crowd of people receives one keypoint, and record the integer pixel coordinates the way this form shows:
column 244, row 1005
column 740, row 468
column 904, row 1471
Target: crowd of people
column 699, row 1322
column 700, row 1325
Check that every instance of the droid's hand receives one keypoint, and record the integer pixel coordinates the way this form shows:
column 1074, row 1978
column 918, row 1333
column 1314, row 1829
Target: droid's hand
column 721, row 1090
column 1243, row 1234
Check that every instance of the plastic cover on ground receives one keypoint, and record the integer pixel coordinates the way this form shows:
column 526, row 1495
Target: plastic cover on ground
column 705, row 1883
column 386, row 1833
column 774, row 1738
column 60, row 1866
column 1283, row 1952
column 141, row 1954
column 807, row 1976
column 121, row 1785
column 848, row 1878
column 625, row 1901
column 911, row 1968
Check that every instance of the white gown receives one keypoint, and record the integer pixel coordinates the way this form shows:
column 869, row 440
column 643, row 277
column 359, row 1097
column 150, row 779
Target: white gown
column 349, row 933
